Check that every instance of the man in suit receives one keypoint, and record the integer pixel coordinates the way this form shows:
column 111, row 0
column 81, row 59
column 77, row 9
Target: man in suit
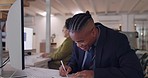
column 100, row 52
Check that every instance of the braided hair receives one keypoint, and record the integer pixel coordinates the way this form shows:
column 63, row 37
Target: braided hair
column 79, row 21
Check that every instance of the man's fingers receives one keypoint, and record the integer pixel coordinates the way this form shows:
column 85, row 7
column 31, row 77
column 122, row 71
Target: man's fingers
column 63, row 72
column 68, row 70
column 80, row 74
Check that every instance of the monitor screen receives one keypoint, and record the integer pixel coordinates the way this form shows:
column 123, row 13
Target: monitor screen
column 15, row 35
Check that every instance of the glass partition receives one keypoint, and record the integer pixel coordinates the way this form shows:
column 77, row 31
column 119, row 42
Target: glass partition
column 142, row 29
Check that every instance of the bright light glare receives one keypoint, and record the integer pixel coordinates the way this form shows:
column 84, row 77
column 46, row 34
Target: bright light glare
column 78, row 12
column 51, row 15
column 142, row 34
column 43, row 13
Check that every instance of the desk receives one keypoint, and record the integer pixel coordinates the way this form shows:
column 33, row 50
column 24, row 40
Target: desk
column 34, row 72
column 32, row 69
column 36, row 61
column 31, row 72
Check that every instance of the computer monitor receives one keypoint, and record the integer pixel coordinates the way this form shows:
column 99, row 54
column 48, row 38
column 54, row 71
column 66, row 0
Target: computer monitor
column 15, row 35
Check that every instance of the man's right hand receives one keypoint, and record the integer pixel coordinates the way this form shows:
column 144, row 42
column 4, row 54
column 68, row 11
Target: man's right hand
column 62, row 72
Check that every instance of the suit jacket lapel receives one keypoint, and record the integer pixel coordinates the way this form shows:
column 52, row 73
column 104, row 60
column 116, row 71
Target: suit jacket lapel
column 81, row 56
column 100, row 45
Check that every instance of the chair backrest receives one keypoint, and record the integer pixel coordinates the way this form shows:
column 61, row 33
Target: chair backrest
column 144, row 62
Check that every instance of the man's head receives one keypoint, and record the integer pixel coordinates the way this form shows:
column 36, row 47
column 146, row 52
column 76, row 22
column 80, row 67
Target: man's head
column 82, row 30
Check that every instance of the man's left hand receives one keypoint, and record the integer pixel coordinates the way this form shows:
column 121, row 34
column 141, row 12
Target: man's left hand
column 84, row 74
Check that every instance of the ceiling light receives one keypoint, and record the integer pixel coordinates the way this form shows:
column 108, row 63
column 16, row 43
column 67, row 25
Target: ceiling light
column 43, row 13
column 78, row 12
column 141, row 34
column 51, row 15
column 119, row 24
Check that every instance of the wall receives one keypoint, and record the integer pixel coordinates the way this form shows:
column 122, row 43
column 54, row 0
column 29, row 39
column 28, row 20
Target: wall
column 38, row 23
column 40, row 30
column 57, row 23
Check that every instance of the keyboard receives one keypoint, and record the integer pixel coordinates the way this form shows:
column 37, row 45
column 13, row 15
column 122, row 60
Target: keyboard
column 36, row 61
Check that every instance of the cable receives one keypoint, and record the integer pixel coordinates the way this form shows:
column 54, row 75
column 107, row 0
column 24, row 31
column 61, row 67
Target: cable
column 13, row 74
column 5, row 62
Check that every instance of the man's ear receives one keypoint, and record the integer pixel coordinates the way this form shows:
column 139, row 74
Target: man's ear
column 94, row 32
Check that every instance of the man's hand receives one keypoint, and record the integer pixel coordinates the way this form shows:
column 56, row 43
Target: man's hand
column 84, row 74
column 45, row 55
column 62, row 72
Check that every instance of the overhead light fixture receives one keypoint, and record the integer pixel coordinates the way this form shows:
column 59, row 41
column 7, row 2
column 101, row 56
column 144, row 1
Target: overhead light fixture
column 141, row 34
column 119, row 24
column 43, row 13
column 51, row 15
column 78, row 12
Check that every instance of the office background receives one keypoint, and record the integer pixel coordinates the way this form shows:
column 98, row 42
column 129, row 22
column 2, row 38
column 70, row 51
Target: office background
column 130, row 15
column 123, row 15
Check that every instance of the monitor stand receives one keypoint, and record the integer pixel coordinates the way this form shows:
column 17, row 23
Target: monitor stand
column 9, row 72
column 13, row 74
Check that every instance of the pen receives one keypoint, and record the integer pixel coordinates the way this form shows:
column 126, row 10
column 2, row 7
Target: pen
column 63, row 67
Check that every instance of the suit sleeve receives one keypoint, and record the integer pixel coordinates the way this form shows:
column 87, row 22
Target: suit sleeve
column 73, row 61
column 129, row 65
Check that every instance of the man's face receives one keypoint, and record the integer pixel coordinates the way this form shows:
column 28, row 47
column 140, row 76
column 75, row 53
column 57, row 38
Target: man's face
column 85, row 38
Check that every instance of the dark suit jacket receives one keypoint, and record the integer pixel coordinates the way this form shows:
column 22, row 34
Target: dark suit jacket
column 114, row 57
